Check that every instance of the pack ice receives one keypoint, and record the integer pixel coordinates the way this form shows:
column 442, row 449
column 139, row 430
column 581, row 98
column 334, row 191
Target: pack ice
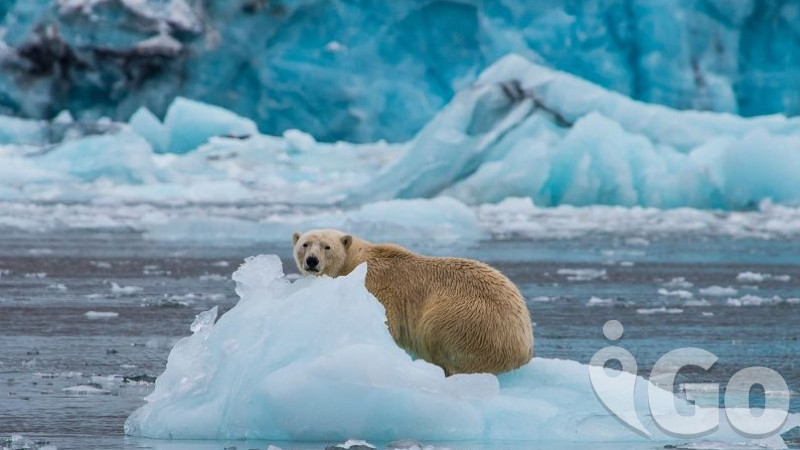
column 313, row 360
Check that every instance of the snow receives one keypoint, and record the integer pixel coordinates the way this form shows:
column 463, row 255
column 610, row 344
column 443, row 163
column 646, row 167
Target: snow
column 313, row 361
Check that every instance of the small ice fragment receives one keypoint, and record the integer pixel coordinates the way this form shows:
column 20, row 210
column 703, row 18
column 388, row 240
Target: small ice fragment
column 626, row 264
column 101, row 264
column 701, row 302
column 661, row 310
column 718, row 291
column 94, row 315
column 274, row 447
column 220, row 264
column 582, row 274
column 679, row 282
column 679, row 293
column 753, row 300
column 782, row 278
column 38, row 275
column 752, row 277
column 541, row 299
column 597, row 301
column 124, row 290
column 707, row 313
column 85, row 390
column 40, row 251
column 212, row 277
column 204, row 321
column 57, row 287
column 353, row 444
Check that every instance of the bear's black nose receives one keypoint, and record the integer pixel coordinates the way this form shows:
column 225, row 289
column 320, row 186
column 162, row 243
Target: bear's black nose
column 312, row 261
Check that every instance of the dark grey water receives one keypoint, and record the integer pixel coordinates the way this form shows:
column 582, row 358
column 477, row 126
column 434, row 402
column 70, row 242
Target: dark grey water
column 71, row 380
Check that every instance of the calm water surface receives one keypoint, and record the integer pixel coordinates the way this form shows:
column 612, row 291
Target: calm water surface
column 70, row 379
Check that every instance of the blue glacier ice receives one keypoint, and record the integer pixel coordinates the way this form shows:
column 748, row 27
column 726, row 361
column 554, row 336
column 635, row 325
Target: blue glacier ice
column 355, row 71
column 521, row 130
column 526, row 130
column 313, row 361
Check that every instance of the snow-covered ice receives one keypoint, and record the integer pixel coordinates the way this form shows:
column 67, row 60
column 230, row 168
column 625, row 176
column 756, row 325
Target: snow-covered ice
column 313, row 360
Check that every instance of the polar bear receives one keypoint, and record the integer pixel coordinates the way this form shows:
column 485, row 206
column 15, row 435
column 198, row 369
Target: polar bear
column 459, row 314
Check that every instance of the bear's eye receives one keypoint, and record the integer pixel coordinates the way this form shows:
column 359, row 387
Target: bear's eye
column 305, row 244
column 327, row 247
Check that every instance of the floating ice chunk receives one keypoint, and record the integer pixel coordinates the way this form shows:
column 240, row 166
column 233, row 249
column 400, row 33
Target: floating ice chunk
column 718, row 291
column 94, row 315
column 694, row 303
column 597, row 301
column 85, row 390
column 754, row 300
column 753, row 277
column 707, row 314
column 124, row 290
column 189, row 124
column 315, row 362
column 678, row 283
column 678, row 293
column 661, row 310
column 582, row 274
column 356, row 444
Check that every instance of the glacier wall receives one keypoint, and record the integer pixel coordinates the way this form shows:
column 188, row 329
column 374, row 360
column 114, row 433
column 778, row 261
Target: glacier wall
column 345, row 70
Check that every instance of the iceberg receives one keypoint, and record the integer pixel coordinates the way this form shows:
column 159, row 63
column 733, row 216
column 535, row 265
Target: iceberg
column 526, row 130
column 366, row 71
column 313, row 361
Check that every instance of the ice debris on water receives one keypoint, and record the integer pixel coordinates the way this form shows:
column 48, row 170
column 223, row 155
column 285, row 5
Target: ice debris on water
column 680, row 293
column 754, row 277
column 124, row 290
column 582, row 274
column 94, row 315
column 718, row 291
column 678, row 283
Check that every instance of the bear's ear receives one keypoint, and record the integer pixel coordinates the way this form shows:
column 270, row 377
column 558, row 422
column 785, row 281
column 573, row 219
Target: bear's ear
column 347, row 240
column 295, row 237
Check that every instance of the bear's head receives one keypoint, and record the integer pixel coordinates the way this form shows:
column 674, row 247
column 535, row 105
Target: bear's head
column 321, row 252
